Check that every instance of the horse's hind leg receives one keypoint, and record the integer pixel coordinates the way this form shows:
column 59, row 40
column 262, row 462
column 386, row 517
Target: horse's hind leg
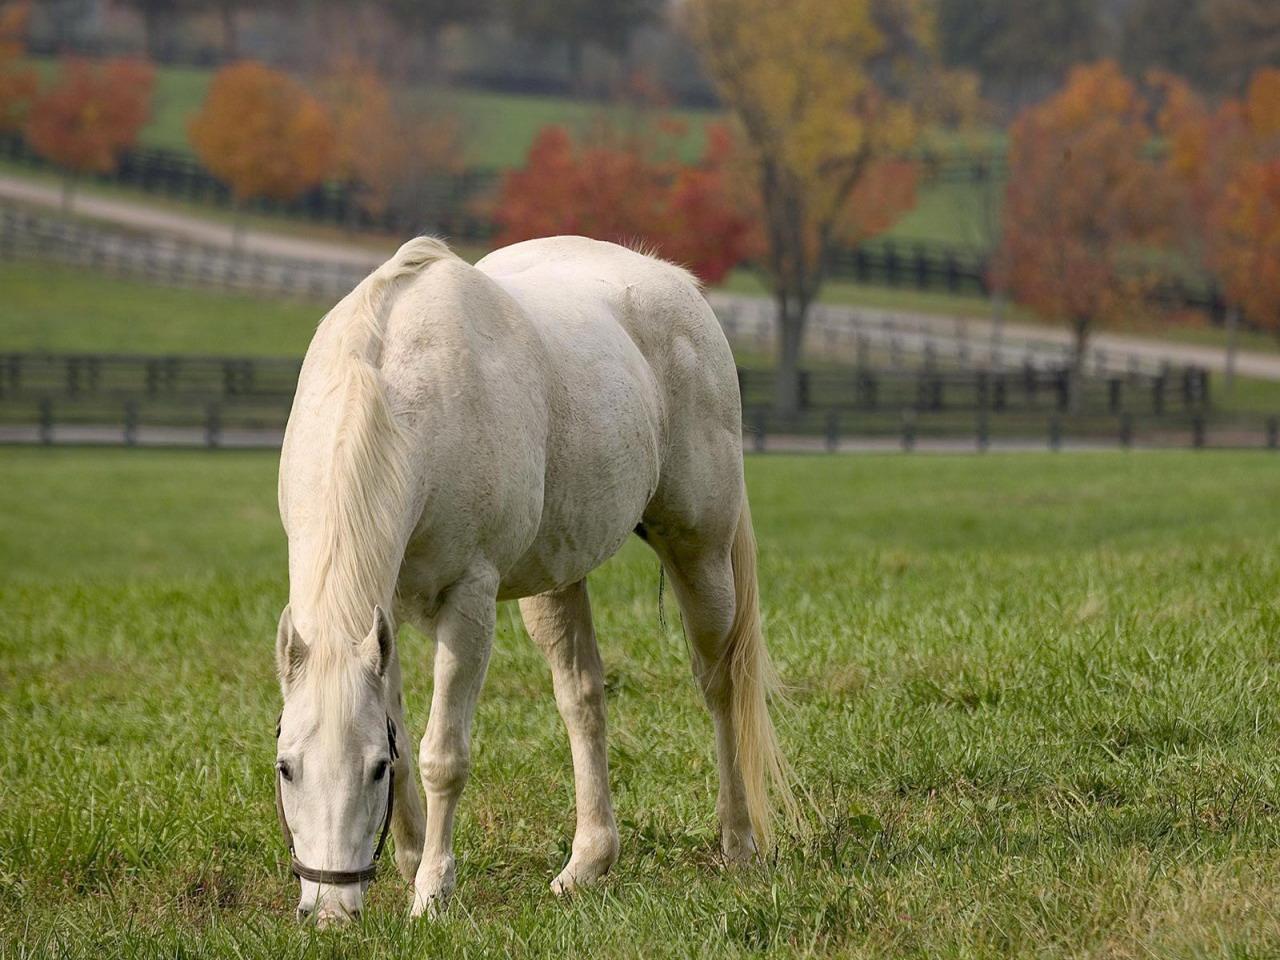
column 702, row 580
column 560, row 624
column 464, row 637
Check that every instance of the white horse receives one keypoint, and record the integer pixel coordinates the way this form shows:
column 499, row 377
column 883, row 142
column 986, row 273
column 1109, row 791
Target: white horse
column 463, row 435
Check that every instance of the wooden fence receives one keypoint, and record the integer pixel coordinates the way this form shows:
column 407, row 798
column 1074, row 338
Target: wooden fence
column 245, row 401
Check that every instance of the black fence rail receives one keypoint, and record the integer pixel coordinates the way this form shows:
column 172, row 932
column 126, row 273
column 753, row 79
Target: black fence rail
column 175, row 380
column 92, row 380
column 980, row 430
column 1033, row 389
column 245, row 401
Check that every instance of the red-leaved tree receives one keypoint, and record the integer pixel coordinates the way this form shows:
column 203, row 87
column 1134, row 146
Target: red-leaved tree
column 18, row 81
column 89, row 116
column 1083, row 197
column 629, row 189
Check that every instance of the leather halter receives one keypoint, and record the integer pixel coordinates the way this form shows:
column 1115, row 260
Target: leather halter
column 341, row 877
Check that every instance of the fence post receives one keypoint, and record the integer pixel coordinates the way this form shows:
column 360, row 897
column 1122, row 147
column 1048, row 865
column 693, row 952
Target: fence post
column 758, row 430
column 1197, row 431
column 908, row 430
column 802, row 384
column 212, row 426
column 984, row 430
column 130, row 423
column 1126, row 430
column 46, row 420
column 1273, row 432
column 833, row 431
column 1055, row 433
column 1114, row 395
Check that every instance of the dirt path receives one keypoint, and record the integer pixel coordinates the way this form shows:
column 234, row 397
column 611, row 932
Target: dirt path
column 142, row 216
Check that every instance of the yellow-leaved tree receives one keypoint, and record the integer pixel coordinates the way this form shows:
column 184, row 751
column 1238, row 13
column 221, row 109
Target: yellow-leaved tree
column 821, row 91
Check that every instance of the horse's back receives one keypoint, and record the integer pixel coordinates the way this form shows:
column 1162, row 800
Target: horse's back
column 579, row 291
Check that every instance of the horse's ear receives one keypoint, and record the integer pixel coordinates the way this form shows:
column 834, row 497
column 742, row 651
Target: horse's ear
column 291, row 649
column 377, row 647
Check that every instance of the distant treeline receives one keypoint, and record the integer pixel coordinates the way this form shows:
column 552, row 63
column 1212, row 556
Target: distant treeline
column 1019, row 50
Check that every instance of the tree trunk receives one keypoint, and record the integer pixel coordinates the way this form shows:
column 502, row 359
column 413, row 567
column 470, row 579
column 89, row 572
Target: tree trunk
column 792, row 313
column 152, row 32
column 1079, row 353
column 237, row 227
column 68, row 193
column 230, row 35
column 1233, row 344
column 999, row 306
column 575, row 65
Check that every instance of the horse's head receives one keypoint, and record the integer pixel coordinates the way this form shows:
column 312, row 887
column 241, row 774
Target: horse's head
column 334, row 755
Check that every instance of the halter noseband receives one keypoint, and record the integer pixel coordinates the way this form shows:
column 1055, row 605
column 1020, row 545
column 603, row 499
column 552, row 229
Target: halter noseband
column 341, row 877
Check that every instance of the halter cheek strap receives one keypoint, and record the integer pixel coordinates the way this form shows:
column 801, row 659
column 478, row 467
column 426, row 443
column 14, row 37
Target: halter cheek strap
column 341, row 877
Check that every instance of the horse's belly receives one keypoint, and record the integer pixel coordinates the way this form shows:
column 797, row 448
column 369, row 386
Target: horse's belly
column 602, row 472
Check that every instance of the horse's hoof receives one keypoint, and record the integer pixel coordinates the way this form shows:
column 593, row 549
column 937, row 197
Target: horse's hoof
column 738, row 846
column 433, row 887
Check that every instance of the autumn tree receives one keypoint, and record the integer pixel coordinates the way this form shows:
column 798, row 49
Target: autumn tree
column 1083, row 194
column 383, row 148
column 807, row 85
column 629, row 188
column 1248, row 222
column 89, row 115
column 263, row 135
column 18, row 81
column 1222, row 160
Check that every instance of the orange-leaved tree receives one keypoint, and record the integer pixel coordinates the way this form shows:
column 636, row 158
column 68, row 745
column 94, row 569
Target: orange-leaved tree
column 1083, row 197
column 629, row 188
column 383, row 148
column 1223, row 159
column 89, row 115
column 815, row 87
column 1247, row 221
column 18, row 80
column 262, row 134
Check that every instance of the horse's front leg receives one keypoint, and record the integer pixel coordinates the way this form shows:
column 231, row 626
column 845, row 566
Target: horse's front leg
column 464, row 637
column 560, row 624
column 407, row 819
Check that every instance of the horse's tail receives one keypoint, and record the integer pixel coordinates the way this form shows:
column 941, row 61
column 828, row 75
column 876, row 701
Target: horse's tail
column 765, row 770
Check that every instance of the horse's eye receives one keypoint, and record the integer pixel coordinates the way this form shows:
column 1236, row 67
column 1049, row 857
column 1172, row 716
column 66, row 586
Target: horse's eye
column 379, row 771
column 284, row 769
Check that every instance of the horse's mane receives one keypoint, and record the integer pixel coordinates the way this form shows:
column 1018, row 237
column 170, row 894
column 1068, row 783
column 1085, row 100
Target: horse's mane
column 355, row 562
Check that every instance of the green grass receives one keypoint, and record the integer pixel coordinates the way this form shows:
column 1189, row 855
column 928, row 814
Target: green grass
column 1032, row 698
column 57, row 308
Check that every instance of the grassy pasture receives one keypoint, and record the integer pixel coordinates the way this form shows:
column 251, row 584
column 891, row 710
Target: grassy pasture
column 1033, row 699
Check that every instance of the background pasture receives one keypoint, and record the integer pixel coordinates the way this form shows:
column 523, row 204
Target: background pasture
column 1032, row 697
